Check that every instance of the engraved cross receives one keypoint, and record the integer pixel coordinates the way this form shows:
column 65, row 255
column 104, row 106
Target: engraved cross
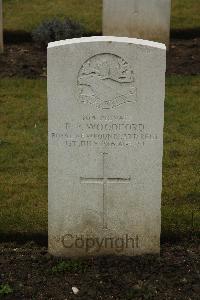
column 104, row 180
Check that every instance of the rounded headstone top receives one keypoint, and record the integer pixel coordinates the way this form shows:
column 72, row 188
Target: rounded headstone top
column 93, row 39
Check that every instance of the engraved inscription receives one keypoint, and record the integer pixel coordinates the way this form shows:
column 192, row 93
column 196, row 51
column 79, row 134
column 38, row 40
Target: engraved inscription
column 104, row 181
column 106, row 81
column 104, row 130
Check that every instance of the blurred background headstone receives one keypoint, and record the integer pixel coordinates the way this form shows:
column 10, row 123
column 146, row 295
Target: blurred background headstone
column 143, row 19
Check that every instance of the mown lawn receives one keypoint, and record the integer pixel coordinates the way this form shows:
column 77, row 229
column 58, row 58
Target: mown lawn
column 181, row 167
column 23, row 156
column 26, row 15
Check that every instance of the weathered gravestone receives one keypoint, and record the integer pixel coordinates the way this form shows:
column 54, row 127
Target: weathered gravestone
column 145, row 19
column 106, row 107
column 1, row 27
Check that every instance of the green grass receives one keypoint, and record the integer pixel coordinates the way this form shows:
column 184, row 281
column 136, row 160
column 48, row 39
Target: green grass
column 181, row 180
column 185, row 14
column 26, row 15
column 23, row 156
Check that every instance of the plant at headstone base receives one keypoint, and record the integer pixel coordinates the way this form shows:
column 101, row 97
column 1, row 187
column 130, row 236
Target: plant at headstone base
column 55, row 30
column 5, row 289
column 142, row 291
column 69, row 266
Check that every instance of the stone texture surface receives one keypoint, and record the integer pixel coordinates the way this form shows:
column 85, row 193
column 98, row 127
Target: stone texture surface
column 105, row 111
column 1, row 27
column 145, row 19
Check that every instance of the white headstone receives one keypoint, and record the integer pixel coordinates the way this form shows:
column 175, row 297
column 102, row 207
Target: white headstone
column 1, row 27
column 144, row 19
column 105, row 111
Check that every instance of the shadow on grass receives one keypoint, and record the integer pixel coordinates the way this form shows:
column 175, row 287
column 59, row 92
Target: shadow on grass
column 19, row 37
column 185, row 34
column 41, row 239
column 21, row 238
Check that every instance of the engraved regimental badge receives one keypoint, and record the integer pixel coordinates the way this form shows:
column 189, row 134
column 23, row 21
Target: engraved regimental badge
column 106, row 81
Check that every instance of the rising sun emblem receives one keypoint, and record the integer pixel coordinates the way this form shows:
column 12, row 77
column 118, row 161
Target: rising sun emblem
column 106, row 81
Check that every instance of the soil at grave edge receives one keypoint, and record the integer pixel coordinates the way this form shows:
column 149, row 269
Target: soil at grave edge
column 26, row 60
column 32, row 273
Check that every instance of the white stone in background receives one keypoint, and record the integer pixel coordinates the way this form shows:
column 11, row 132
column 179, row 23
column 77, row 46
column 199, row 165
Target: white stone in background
column 105, row 112
column 1, row 27
column 144, row 19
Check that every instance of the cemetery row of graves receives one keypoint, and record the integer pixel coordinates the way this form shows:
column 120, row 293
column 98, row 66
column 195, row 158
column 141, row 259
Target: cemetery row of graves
column 107, row 171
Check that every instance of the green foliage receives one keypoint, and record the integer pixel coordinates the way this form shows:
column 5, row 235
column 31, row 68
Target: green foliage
column 143, row 292
column 69, row 266
column 5, row 289
column 55, row 30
